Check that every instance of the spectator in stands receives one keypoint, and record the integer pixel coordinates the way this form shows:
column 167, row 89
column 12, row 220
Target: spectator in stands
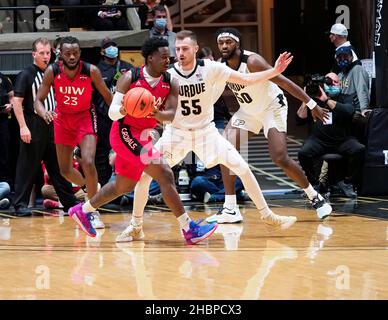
column 159, row 29
column 354, row 80
column 145, row 13
column 110, row 17
column 6, row 97
column 332, row 136
column 111, row 68
column 338, row 36
column 50, row 197
column 37, row 137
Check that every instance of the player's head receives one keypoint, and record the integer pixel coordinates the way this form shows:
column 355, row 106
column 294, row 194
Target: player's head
column 70, row 52
column 228, row 41
column 186, row 47
column 206, row 53
column 41, row 52
column 156, row 54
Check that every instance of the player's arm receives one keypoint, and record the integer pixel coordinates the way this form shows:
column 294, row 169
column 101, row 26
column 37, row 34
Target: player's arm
column 43, row 91
column 257, row 63
column 116, row 109
column 100, row 85
column 247, row 79
column 171, row 103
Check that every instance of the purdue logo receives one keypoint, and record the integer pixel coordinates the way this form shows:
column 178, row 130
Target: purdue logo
column 385, row 152
column 238, row 122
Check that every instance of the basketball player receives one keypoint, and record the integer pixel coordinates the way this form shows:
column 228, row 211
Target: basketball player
column 193, row 130
column 131, row 139
column 74, row 117
column 262, row 105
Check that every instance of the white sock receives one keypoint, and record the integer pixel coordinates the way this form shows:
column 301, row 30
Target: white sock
column 265, row 212
column 137, row 221
column 230, row 201
column 311, row 192
column 87, row 207
column 184, row 221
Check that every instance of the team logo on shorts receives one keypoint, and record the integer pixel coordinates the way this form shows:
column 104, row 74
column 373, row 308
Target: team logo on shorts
column 238, row 122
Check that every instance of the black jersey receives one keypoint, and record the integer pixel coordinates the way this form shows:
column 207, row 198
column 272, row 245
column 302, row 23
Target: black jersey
column 27, row 84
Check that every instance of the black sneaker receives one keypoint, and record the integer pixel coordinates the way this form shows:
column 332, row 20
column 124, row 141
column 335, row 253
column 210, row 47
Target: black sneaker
column 347, row 189
column 23, row 212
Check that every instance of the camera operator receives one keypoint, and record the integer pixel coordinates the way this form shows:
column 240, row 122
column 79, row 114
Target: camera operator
column 332, row 136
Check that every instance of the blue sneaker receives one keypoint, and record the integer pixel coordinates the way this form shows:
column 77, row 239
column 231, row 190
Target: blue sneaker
column 197, row 233
column 83, row 219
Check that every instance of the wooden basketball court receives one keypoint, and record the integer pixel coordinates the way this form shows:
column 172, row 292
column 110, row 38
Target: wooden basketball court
column 48, row 257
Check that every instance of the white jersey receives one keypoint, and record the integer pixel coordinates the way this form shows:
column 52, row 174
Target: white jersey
column 198, row 92
column 255, row 98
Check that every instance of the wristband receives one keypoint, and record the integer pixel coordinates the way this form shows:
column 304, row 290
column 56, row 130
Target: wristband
column 311, row 104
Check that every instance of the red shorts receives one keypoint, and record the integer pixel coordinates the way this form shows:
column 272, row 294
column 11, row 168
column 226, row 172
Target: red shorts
column 70, row 128
column 133, row 151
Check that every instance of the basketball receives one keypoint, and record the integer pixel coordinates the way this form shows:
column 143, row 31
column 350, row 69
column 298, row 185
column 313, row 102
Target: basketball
column 138, row 102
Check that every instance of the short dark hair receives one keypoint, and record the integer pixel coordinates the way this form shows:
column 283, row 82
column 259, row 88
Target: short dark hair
column 233, row 31
column 41, row 40
column 57, row 42
column 205, row 52
column 69, row 40
column 152, row 45
column 186, row 34
column 160, row 8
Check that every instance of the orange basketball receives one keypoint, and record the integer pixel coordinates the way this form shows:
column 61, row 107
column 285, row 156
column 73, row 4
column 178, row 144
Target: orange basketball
column 138, row 102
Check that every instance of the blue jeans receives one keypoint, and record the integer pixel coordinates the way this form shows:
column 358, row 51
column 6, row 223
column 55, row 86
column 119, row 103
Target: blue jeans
column 202, row 184
column 4, row 189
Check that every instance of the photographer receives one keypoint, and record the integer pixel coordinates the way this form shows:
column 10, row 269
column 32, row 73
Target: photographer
column 331, row 136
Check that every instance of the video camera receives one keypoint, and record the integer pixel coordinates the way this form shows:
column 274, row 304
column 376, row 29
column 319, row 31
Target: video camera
column 313, row 82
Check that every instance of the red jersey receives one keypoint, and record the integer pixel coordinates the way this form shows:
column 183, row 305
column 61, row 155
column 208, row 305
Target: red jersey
column 160, row 91
column 72, row 95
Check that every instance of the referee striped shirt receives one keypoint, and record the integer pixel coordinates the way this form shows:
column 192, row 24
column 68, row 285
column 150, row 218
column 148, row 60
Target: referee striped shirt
column 27, row 84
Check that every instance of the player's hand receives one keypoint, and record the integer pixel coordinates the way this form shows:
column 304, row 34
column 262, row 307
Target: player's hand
column 319, row 113
column 7, row 108
column 49, row 116
column 25, row 134
column 283, row 61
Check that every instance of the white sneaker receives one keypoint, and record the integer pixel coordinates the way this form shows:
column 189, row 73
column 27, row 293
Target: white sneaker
column 96, row 221
column 226, row 215
column 274, row 220
column 131, row 233
column 322, row 207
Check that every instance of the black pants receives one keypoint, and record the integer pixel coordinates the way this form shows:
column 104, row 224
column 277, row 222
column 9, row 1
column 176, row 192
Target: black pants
column 5, row 173
column 350, row 148
column 104, row 169
column 42, row 147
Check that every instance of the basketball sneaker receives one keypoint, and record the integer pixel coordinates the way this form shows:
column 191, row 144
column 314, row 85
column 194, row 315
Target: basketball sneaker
column 225, row 215
column 322, row 207
column 131, row 233
column 50, row 204
column 82, row 219
column 197, row 232
column 96, row 221
column 282, row 222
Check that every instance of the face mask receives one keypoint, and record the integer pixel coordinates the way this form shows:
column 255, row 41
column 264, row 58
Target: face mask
column 160, row 23
column 332, row 91
column 111, row 52
column 343, row 63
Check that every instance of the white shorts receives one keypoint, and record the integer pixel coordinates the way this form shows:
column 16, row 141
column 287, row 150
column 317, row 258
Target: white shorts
column 207, row 143
column 275, row 116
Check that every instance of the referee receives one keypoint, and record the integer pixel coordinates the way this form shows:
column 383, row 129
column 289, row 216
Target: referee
column 37, row 137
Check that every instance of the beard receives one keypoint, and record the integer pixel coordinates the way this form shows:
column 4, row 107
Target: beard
column 70, row 67
column 229, row 55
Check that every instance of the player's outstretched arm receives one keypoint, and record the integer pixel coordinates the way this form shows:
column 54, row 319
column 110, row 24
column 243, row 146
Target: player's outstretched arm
column 250, row 78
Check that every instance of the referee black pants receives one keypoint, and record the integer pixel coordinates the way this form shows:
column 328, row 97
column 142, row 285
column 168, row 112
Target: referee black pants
column 31, row 154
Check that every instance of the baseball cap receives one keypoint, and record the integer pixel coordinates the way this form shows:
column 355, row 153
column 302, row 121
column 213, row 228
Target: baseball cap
column 339, row 29
column 107, row 42
column 344, row 50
